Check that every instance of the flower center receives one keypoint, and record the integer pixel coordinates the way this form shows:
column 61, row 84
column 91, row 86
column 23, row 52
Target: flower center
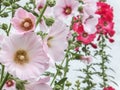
column 27, row 24
column 85, row 34
column 48, row 41
column 9, row 83
column 21, row 57
column 67, row 10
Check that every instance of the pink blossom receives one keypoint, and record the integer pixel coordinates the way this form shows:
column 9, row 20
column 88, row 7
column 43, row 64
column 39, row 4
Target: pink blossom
column 41, row 84
column 86, row 59
column 56, row 41
column 83, row 36
column 89, row 18
column 25, row 58
column 23, row 21
column 65, row 8
column 9, row 85
column 109, row 88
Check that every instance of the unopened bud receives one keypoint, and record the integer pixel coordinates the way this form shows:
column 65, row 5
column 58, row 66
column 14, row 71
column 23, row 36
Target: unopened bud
column 51, row 3
column 4, row 14
column 4, row 26
column 6, row 3
column 94, row 45
column 49, row 21
column 111, row 40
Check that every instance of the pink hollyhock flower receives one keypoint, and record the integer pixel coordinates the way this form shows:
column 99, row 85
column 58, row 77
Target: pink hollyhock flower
column 65, row 9
column 109, row 88
column 25, row 58
column 89, row 18
column 83, row 36
column 23, row 21
column 56, row 41
column 86, row 59
column 9, row 85
column 39, row 85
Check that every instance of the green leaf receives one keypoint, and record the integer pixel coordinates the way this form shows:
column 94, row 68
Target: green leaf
column 62, row 81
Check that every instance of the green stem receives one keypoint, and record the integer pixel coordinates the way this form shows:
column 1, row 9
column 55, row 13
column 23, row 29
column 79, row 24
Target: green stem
column 2, row 9
column 10, row 23
column 4, row 80
column 39, row 18
column 103, row 64
column 2, row 73
column 65, row 71
column 56, row 73
column 54, row 78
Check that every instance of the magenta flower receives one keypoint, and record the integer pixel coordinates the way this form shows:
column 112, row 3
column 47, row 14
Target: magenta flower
column 25, row 58
column 23, row 21
column 109, row 88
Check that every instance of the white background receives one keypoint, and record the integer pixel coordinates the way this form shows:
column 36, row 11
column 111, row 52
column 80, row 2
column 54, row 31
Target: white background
column 115, row 52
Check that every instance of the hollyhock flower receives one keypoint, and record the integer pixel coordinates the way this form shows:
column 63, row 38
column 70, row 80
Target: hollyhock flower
column 109, row 88
column 86, row 59
column 105, row 27
column 39, row 85
column 105, row 11
column 83, row 36
column 9, row 85
column 23, row 21
column 65, row 9
column 56, row 41
column 25, row 58
column 89, row 18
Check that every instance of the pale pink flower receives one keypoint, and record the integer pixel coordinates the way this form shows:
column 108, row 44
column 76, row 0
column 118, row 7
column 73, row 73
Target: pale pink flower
column 9, row 85
column 41, row 84
column 56, row 41
column 90, row 19
column 23, row 21
column 23, row 55
column 86, row 59
column 65, row 9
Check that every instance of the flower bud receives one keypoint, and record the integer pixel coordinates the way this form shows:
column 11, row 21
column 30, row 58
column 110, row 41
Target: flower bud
column 4, row 14
column 6, row 3
column 15, row 6
column 4, row 26
column 111, row 40
column 51, row 3
column 49, row 21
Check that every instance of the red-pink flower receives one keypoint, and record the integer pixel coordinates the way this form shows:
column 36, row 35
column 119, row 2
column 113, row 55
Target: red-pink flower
column 83, row 36
column 23, row 21
column 109, row 88
column 105, row 10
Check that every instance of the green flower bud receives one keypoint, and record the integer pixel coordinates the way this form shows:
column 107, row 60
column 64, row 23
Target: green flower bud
column 5, row 14
column 6, row 3
column 49, row 21
column 51, row 3
column 80, row 9
column 4, row 26
column 15, row 6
